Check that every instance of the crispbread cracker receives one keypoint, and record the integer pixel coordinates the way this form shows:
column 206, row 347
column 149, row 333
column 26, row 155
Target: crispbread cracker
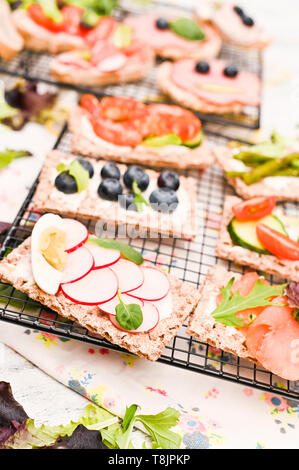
column 182, row 222
column 271, row 264
column 15, row 269
column 86, row 142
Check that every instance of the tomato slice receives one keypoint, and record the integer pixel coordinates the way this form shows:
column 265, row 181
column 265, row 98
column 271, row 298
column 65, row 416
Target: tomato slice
column 122, row 108
column 37, row 15
column 255, row 208
column 117, row 133
column 91, row 104
column 277, row 243
column 169, row 119
column 102, row 30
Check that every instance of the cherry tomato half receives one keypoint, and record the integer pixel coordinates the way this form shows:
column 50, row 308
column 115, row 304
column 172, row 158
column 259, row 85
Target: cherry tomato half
column 277, row 243
column 255, row 208
column 91, row 104
column 37, row 15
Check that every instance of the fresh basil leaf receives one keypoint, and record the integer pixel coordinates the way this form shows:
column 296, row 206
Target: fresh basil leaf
column 7, row 156
column 139, row 200
column 169, row 139
column 158, row 426
column 187, row 28
column 231, row 304
column 129, row 316
column 51, row 10
column 126, row 250
column 76, row 170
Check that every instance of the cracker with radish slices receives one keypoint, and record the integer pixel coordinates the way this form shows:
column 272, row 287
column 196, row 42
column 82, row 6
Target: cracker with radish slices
column 87, row 204
column 269, row 263
column 16, row 269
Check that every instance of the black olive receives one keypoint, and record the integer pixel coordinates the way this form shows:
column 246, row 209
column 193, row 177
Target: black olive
column 231, row 71
column 202, row 67
column 162, row 23
column 66, row 183
column 247, row 20
column 110, row 188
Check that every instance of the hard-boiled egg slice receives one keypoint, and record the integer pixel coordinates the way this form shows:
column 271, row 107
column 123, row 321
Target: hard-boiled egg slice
column 48, row 256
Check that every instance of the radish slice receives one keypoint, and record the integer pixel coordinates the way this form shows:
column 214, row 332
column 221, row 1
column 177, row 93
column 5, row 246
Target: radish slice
column 165, row 306
column 79, row 264
column 112, row 63
column 130, row 275
column 155, row 285
column 103, row 257
column 109, row 307
column 150, row 319
column 99, row 286
column 76, row 234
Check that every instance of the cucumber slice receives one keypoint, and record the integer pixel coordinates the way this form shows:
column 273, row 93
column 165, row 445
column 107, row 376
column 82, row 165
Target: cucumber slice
column 244, row 233
column 196, row 141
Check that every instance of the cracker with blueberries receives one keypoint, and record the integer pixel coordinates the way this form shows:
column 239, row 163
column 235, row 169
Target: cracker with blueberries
column 150, row 201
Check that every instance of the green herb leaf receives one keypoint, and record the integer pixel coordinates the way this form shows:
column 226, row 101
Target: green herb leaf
column 123, row 438
column 126, row 250
column 51, row 10
column 233, row 303
column 129, row 416
column 76, row 170
column 139, row 199
column 169, row 139
column 187, row 28
column 8, row 156
column 158, row 426
column 129, row 316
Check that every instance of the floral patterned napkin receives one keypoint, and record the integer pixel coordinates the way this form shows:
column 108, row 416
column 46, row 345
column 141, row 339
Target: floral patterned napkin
column 214, row 413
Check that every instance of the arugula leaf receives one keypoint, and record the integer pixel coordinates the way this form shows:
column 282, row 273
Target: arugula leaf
column 129, row 316
column 123, row 439
column 187, row 28
column 8, row 155
column 76, row 170
column 139, row 199
column 158, row 426
column 233, row 303
column 126, row 250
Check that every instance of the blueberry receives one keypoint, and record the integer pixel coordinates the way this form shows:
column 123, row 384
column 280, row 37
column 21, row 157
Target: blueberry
column 110, row 170
column 239, row 11
column 66, row 183
column 127, row 201
column 247, row 20
column 231, row 71
column 110, row 188
column 86, row 165
column 136, row 173
column 169, row 179
column 202, row 67
column 163, row 200
column 162, row 23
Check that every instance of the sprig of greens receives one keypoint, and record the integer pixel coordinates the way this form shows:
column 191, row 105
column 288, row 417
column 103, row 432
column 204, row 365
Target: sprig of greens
column 139, row 200
column 126, row 250
column 128, row 316
column 8, row 155
column 231, row 304
column 187, row 28
column 76, row 170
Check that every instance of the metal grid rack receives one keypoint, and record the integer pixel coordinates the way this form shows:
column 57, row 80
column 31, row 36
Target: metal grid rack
column 35, row 66
column 188, row 260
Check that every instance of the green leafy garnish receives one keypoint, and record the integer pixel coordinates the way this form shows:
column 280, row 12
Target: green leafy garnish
column 187, row 29
column 7, row 156
column 101, row 7
column 158, row 426
column 169, row 139
column 90, row 17
column 123, row 438
column 76, row 170
column 139, row 200
column 126, row 250
column 51, row 10
column 233, row 303
column 128, row 316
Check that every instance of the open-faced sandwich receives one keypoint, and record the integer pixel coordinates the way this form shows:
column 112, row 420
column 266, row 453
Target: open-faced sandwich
column 175, row 38
column 257, row 234
column 232, row 23
column 142, row 199
column 264, row 169
column 111, row 55
column 129, row 131
column 11, row 42
column 102, row 284
column 248, row 317
column 209, row 86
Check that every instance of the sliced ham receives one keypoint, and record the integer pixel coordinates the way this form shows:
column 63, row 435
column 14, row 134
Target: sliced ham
column 10, row 40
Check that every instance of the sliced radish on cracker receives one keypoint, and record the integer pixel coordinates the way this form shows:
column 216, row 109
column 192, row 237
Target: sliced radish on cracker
column 113, row 63
column 79, row 263
column 99, row 286
column 130, row 275
column 76, row 234
column 109, row 307
column 103, row 257
column 155, row 285
column 150, row 319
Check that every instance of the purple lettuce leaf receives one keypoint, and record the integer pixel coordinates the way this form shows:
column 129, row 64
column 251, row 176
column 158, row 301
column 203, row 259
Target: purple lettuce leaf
column 12, row 415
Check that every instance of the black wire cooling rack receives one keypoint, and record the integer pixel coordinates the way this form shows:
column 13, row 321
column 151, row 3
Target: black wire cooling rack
column 35, row 66
column 188, row 260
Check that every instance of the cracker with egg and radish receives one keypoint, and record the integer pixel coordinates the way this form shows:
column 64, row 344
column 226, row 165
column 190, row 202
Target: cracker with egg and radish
column 212, row 86
column 264, row 169
column 102, row 284
column 258, row 234
column 246, row 316
column 128, row 131
column 11, row 42
column 140, row 198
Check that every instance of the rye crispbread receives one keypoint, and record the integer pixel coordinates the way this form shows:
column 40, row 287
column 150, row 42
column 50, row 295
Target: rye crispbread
column 271, row 264
column 15, row 269
column 86, row 142
column 87, row 204
column 11, row 43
